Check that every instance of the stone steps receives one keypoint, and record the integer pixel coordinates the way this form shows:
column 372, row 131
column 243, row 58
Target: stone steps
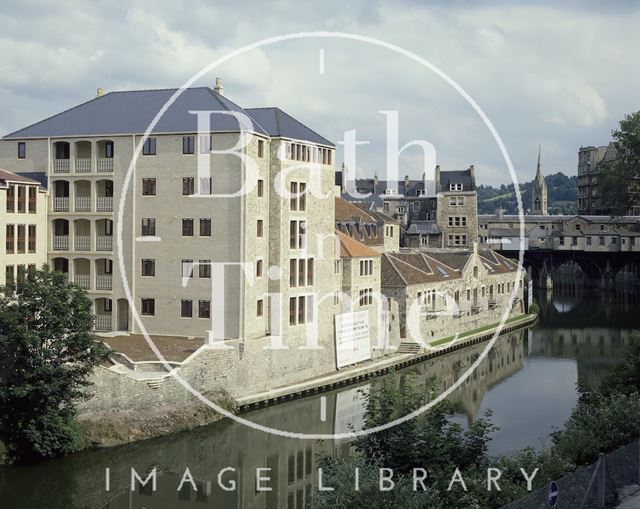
column 408, row 347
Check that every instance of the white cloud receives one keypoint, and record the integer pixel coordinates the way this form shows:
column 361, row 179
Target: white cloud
column 548, row 74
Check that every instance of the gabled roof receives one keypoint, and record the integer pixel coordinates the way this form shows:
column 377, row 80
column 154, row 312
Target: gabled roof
column 351, row 248
column 279, row 124
column 411, row 268
column 6, row 176
column 131, row 112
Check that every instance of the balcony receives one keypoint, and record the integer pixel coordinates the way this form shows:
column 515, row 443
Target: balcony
column 61, row 204
column 82, row 243
column 493, row 303
column 104, row 164
column 83, row 204
column 83, row 165
column 104, row 282
column 103, row 322
column 82, row 280
column 104, row 243
column 60, row 242
column 61, row 165
column 104, row 204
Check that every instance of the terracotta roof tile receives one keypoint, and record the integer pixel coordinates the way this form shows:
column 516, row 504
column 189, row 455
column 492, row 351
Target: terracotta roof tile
column 351, row 248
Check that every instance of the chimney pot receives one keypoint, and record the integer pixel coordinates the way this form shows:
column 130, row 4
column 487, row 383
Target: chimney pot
column 100, row 92
column 219, row 89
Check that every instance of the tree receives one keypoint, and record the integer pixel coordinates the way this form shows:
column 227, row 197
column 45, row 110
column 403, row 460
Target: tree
column 47, row 353
column 619, row 180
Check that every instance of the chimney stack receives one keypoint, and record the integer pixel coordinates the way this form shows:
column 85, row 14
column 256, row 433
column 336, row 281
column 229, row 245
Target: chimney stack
column 218, row 89
column 100, row 92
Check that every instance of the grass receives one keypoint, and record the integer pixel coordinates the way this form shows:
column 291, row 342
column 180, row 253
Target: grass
column 471, row 332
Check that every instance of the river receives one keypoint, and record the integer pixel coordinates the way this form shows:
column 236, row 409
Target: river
column 528, row 380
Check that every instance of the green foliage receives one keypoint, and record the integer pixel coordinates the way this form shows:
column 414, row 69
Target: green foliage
column 619, row 180
column 534, row 308
column 47, row 353
column 562, row 195
column 604, row 419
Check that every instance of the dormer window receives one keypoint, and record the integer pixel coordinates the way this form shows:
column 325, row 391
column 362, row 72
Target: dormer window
column 455, row 186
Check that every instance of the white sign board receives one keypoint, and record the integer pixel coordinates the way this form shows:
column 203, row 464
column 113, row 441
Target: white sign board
column 350, row 408
column 353, row 343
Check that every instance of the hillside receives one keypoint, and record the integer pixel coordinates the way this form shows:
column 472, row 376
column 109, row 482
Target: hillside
column 562, row 194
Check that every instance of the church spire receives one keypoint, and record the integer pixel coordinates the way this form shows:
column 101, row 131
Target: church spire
column 539, row 168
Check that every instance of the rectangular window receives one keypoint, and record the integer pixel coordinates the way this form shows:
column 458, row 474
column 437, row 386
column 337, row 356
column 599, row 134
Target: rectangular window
column 206, row 144
column 108, row 150
column 149, row 187
column 301, row 310
column 259, row 307
column 187, row 268
column 204, row 309
column 301, row 272
column 21, row 239
column 22, row 150
column 205, row 227
column 188, row 186
column 259, row 228
column 22, row 200
column 260, row 148
column 186, row 308
column 293, row 232
column 310, row 272
column 601, row 241
column 292, row 311
column 148, row 267
column 302, row 200
column 293, row 272
column 11, row 198
column 260, row 188
column 149, row 147
column 9, row 277
column 302, row 234
column 148, row 226
column 259, row 264
column 187, row 227
column 293, row 200
column 148, row 307
column 32, row 199
column 32, row 238
column 336, row 266
column 588, row 241
column 10, row 238
column 187, row 144
column 204, row 269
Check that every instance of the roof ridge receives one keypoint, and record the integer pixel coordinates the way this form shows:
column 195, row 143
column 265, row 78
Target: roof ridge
column 391, row 259
column 414, row 267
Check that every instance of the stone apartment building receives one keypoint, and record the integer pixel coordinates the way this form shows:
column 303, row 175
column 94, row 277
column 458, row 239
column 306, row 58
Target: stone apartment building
column 590, row 162
column 446, row 219
column 23, row 227
column 359, row 221
column 443, row 292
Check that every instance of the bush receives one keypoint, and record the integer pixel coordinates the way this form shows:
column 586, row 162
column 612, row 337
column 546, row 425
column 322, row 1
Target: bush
column 534, row 308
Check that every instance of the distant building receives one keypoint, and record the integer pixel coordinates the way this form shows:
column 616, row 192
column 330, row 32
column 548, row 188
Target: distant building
column 590, row 162
column 375, row 230
column 539, row 191
column 23, row 227
column 448, row 219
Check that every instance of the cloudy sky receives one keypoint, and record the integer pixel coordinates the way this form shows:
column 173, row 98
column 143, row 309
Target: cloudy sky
column 558, row 76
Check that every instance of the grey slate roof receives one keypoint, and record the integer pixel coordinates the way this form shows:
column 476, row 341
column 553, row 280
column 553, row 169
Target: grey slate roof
column 423, row 227
column 130, row 112
column 456, row 177
column 277, row 123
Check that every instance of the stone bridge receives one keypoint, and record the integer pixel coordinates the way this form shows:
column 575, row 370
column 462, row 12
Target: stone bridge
column 600, row 245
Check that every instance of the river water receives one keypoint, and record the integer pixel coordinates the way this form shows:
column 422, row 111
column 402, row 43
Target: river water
column 528, row 380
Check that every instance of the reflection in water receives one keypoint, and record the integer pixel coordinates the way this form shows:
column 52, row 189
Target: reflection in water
column 528, row 379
